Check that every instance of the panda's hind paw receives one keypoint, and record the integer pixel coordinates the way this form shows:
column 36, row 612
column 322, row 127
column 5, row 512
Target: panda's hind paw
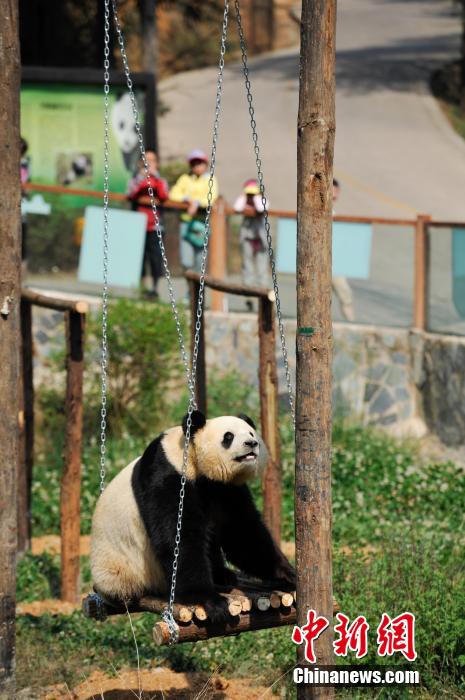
column 216, row 608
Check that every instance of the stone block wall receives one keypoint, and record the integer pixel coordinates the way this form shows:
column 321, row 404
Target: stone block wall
column 402, row 380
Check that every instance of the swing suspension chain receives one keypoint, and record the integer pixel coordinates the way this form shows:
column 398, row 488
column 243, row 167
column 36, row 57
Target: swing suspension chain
column 258, row 162
column 158, row 228
column 168, row 613
column 191, row 374
column 106, row 188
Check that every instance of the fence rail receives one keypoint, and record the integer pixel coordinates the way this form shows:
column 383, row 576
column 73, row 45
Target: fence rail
column 420, row 227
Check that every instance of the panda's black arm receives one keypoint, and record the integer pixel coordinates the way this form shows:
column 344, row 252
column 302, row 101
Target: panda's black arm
column 247, row 542
column 157, row 495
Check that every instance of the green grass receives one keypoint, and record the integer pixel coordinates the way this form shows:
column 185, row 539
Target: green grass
column 407, row 516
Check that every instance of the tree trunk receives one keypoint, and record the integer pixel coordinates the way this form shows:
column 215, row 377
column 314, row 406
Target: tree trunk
column 316, row 127
column 10, row 299
column 149, row 37
column 148, row 22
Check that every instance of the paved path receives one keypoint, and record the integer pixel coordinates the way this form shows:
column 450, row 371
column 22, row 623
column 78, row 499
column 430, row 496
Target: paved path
column 395, row 152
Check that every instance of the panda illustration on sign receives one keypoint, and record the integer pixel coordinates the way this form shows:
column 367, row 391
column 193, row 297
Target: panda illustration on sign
column 134, row 523
column 124, row 129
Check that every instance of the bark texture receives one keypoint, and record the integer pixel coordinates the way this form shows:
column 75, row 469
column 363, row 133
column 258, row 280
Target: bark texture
column 10, row 300
column 316, row 128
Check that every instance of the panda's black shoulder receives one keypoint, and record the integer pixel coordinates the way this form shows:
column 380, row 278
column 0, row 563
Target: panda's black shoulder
column 152, row 468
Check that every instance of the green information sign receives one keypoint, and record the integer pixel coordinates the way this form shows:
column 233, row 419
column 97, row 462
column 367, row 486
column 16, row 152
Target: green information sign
column 63, row 125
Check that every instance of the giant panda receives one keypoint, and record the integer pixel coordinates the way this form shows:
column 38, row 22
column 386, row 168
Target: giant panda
column 134, row 523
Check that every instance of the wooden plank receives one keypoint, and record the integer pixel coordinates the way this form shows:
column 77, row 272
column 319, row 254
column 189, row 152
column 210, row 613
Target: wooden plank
column 201, row 368
column 71, row 479
column 315, row 148
column 217, row 253
column 232, row 287
column 26, row 430
column 48, row 302
column 10, row 295
column 268, row 389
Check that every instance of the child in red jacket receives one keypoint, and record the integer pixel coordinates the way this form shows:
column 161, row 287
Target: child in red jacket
column 138, row 187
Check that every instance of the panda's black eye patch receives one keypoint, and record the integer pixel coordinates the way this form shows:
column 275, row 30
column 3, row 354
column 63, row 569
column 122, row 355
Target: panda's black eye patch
column 227, row 439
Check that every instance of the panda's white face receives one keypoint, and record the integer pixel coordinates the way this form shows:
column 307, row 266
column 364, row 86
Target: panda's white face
column 228, row 449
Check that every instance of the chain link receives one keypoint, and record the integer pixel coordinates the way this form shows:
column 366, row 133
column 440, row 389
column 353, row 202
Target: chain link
column 168, row 614
column 158, row 228
column 258, row 162
column 190, row 374
column 106, row 188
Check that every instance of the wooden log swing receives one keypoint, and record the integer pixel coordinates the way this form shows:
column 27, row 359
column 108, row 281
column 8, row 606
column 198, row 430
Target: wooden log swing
column 251, row 607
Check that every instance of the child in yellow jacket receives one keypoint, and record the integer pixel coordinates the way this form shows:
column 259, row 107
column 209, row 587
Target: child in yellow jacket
column 193, row 188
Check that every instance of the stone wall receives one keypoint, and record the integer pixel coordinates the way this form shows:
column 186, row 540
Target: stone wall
column 442, row 385
column 373, row 368
column 406, row 381
column 403, row 380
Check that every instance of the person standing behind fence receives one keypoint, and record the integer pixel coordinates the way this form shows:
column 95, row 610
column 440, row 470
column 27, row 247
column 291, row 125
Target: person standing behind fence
column 192, row 188
column 138, row 187
column 341, row 287
column 253, row 240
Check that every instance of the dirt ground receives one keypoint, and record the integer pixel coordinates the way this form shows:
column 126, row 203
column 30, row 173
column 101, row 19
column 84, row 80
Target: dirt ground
column 157, row 684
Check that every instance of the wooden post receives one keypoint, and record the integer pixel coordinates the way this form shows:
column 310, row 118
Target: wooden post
column 268, row 385
column 201, row 380
column 315, row 146
column 10, row 297
column 420, row 299
column 217, row 253
column 71, row 480
column 26, row 430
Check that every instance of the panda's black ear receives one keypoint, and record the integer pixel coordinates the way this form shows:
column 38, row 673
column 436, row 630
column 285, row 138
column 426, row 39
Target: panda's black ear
column 198, row 421
column 248, row 420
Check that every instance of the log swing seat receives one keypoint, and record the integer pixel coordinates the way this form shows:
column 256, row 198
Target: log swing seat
column 254, row 604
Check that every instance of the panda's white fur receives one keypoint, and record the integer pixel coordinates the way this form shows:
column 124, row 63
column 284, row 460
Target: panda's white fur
column 121, row 557
column 122, row 560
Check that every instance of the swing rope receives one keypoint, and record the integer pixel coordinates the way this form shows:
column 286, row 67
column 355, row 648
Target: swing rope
column 190, row 372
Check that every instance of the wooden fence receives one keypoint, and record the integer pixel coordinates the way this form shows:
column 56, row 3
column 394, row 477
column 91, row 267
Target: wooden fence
column 218, row 242
column 70, row 521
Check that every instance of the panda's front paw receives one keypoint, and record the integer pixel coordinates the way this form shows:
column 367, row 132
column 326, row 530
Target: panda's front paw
column 225, row 577
column 216, row 608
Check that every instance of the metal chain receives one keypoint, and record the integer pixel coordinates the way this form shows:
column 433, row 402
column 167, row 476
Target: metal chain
column 106, row 188
column 158, row 228
column 191, row 374
column 168, row 613
column 258, row 162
